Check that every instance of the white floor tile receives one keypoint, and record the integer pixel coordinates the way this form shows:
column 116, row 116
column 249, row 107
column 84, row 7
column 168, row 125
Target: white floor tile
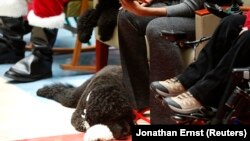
column 24, row 116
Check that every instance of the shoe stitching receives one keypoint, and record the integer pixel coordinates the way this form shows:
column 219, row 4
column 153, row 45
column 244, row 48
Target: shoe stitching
column 173, row 85
column 186, row 100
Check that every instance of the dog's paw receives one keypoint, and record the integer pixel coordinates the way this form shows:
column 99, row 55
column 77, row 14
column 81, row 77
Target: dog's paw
column 104, row 133
column 45, row 92
column 50, row 91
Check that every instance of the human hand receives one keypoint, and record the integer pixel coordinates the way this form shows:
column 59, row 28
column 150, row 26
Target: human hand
column 132, row 6
column 145, row 2
column 142, row 2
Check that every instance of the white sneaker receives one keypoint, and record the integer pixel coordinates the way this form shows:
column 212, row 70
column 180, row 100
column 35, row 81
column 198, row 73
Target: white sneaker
column 184, row 103
column 169, row 87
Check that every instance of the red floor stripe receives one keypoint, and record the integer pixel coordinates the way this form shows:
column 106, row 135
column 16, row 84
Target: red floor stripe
column 71, row 137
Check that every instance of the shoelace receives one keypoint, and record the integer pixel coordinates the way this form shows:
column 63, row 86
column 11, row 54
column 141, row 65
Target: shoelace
column 172, row 80
column 176, row 86
column 187, row 99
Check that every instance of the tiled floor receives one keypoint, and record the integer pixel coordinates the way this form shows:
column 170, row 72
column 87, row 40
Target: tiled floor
column 24, row 115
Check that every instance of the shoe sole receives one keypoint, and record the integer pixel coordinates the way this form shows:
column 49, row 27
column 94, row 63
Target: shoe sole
column 157, row 96
column 160, row 99
column 176, row 119
column 27, row 79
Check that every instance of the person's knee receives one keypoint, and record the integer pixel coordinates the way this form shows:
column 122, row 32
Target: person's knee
column 154, row 29
column 123, row 17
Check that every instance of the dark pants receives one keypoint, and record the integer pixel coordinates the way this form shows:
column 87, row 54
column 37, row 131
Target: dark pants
column 165, row 59
column 132, row 30
column 210, row 76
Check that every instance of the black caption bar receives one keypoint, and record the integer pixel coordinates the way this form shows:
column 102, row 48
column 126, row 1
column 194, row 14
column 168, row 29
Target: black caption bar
column 164, row 132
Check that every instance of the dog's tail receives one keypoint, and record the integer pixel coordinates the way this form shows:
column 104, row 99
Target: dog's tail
column 61, row 93
column 98, row 132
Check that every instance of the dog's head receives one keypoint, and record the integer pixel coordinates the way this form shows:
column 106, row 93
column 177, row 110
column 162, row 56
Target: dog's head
column 110, row 111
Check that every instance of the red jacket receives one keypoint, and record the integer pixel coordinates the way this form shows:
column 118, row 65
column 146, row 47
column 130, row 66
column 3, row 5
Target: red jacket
column 47, row 8
column 47, row 13
column 41, row 13
column 247, row 22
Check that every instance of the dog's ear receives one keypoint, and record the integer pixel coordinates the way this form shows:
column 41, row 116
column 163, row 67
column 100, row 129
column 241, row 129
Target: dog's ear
column 120, row 129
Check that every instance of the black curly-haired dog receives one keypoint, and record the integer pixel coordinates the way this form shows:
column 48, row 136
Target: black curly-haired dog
column 102, row 104
column 104, row 15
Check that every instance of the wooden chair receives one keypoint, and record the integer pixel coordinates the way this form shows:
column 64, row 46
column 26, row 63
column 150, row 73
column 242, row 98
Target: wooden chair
column 80, row 6
column 101, row 49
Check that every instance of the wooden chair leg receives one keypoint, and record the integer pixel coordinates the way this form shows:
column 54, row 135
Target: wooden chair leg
column 102, row 52
column 74, row 65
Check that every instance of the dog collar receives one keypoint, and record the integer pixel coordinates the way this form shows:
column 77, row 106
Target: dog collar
column 85, row 122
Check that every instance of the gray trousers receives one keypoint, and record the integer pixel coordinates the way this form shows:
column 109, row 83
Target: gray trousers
column 165, row 57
